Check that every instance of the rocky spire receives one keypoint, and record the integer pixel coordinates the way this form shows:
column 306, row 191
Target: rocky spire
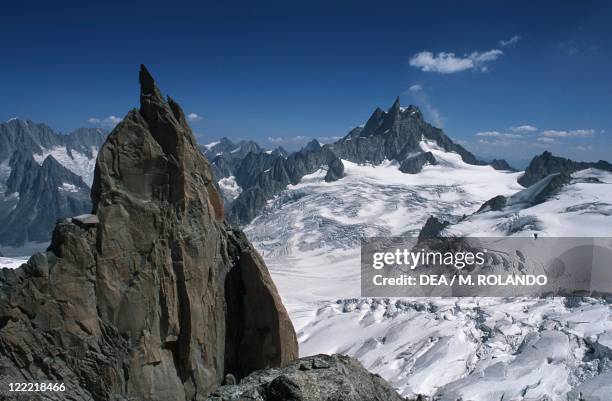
column 395, row 107
column 156, row 296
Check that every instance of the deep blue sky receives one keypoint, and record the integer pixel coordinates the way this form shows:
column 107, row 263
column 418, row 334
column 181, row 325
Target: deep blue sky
column 288, row 71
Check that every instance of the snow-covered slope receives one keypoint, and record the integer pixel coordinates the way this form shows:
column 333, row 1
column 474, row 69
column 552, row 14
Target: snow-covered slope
column 79, row 163
column 471, row 349
column 11, row 263
column 583, row 208
column 310, row 234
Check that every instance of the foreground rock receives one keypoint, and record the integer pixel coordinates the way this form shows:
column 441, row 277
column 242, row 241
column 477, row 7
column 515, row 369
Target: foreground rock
column 152, row 297
column 315, row 378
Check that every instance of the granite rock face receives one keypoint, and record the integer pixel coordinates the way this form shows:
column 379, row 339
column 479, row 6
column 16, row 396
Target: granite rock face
column 315, row 378
column 154, row 298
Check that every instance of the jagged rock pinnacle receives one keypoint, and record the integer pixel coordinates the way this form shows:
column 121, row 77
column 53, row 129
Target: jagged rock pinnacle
column 396, row 107
column 159, row 299
column 147, row 83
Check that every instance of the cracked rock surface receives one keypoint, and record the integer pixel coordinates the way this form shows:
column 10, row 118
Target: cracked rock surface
column 155, row 297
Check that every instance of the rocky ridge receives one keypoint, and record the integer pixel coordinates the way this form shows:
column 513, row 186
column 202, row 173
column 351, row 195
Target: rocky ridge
column 37, row 196
column 392, row 135
column 315, row 378
column 263, row 175
column 546, row 164
column 44, row 176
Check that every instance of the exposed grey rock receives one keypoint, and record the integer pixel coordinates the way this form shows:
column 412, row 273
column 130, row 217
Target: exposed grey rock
column 546, row 164
column 262, row 176
column 432, row 228
column 28, row 137
column 501, row 164
column 335, row 170
column 312, row 146
column 414, row 164
column 280, row 151
column 225, row 156
column 553, row 187
column 31, row 198
column 314, row 378
column 496, row 203
column 158, row 301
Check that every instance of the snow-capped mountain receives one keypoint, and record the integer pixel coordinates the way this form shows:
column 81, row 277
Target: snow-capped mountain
column 478, row 349
column 43, row 176
column 394, row 135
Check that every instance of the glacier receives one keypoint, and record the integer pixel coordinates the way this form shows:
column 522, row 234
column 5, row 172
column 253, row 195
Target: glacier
column 478, row 349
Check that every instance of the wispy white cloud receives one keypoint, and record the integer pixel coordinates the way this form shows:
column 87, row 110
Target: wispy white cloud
column 544, row 139
column 494, row 142
column 419, row 96
column 286, row 139
column 573, row 47
column 109, row 121
column 496, row 134
column 510, row 42
column 524, row 129
column 194, row 117
column 328, row 139
column 578, row 133
column 415, row 88
column 449, row 63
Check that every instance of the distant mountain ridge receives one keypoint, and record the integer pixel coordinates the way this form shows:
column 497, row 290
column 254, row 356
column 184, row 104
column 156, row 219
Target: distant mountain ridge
column 43, row 176
column 27, row 136
column 395, row 135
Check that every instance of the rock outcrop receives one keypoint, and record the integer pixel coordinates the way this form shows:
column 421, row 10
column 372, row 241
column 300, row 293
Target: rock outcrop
column 546, row 164
column 496, row 204
column 501, row 164
column 315, row 378
column 153, row 297
column 432, row 228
